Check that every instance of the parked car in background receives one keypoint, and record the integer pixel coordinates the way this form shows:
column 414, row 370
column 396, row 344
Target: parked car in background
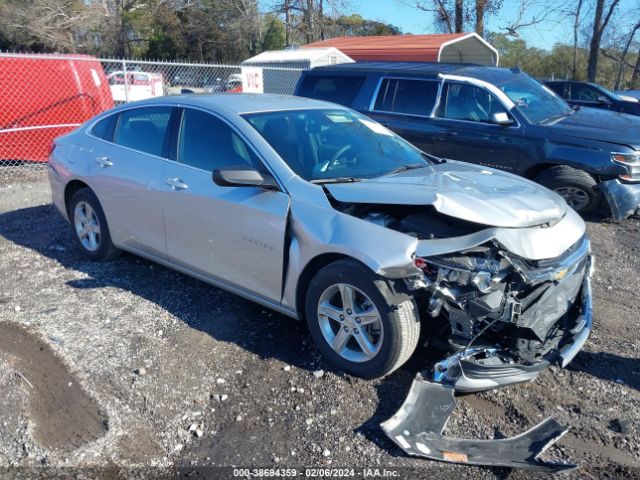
column 627, row 94
column 234, row 83
column 62, row 92
column 138, row 86
column 585, row 94
column 320, row 213
column 496, row 117
column 186, row 77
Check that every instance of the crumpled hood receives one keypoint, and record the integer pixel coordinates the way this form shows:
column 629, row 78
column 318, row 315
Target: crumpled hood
column 465, row 191
column 601, row 125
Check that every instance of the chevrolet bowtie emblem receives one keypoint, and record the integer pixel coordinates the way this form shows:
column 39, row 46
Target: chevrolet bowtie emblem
column 561, row 274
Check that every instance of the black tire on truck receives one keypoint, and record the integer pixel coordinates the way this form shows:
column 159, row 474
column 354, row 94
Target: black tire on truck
column 577, row 187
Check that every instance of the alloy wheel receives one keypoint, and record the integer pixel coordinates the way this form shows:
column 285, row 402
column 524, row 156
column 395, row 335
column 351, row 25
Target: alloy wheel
column 350, row 322
column 87, row 226
column 577, row 198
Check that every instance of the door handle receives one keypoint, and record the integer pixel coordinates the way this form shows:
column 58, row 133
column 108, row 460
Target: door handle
column 176, row 183
column 104, row 161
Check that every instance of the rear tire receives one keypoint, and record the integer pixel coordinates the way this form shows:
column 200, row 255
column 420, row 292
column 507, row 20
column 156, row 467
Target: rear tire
column 577, row 187
column 380, row 327
column 90, row 226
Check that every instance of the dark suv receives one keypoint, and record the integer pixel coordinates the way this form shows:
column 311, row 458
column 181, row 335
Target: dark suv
column 496, row 117
column 586, row 94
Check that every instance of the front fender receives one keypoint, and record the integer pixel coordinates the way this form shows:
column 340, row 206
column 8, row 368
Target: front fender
column 582, row 154
column 317, row 230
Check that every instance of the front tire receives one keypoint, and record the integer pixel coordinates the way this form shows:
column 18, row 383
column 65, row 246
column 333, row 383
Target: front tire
column 359, row 322
column 577, row 187
column 90, row 226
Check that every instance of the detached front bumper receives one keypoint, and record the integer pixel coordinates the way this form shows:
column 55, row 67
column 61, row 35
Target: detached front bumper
column 419, row 425
column 623, row 198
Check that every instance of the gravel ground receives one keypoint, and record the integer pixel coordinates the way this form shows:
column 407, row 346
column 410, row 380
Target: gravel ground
column 166, row 370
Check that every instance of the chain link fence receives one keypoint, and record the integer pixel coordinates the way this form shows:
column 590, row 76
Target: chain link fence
column 43, row 96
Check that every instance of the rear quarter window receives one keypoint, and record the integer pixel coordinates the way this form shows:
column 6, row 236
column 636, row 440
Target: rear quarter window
column 338, row 89
column 105, row 128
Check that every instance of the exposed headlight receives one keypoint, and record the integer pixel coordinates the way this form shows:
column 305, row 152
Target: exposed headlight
column 627, row 158
column 465, row 271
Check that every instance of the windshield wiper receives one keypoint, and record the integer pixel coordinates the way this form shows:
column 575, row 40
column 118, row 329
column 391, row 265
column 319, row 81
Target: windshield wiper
column 403, row 168
column 559, row 115
column 320, row 181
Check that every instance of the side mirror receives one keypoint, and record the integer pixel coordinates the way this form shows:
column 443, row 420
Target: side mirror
column 243, row 177
column 502, row 119
column 603, row 99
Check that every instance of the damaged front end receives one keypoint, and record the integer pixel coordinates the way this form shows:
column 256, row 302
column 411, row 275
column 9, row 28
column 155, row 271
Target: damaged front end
column 500, row 275
column 507, row 318
column 504, row 320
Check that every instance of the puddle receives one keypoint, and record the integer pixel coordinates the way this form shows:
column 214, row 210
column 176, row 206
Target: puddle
column 63, row 415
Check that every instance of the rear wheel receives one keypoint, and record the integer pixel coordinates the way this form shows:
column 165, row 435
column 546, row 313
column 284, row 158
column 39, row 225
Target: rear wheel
column 90, row 226
column 357, row 320
column 577, row 187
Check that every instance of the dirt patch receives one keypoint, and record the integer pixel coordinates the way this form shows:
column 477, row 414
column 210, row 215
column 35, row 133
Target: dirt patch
column 64, row 416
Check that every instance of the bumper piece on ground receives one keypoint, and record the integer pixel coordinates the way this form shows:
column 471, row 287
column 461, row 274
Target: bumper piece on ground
column 417, row 428
column 623, row 198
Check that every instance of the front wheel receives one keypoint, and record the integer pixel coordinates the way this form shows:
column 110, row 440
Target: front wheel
column 577, row 187
column 359, row 322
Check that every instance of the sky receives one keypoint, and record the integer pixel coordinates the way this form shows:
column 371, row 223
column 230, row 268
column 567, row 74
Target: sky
column 544, row 35
column 540, row 36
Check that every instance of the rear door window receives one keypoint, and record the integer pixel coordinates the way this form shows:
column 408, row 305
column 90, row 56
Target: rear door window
column 339, row 89
column 143, row 129
column 461, row 101
column 413, row 97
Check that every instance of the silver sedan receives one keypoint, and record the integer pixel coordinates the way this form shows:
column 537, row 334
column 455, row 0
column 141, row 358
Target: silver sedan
column 320, row 213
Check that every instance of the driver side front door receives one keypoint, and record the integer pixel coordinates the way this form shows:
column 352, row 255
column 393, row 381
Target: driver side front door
column 467, row 134
column 234, row 235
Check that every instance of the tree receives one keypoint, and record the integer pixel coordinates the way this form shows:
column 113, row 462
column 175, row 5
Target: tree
column 274, row 33
column 623, row 57
column 357, row 26
column 635, row 76
column 459, row 16
column 445, row 17
column 43, row 25
column 600, row 22
column 576, row 24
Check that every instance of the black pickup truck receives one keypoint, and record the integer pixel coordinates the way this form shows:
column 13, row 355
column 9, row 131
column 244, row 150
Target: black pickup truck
column 497, row 117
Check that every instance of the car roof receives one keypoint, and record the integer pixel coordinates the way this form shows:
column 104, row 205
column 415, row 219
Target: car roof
column 425, row 69
column 240, row 103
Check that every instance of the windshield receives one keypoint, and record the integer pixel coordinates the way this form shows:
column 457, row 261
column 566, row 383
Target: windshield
column 321, row 145
column 537, row 102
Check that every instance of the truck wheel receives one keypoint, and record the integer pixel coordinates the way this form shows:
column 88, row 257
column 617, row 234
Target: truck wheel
column 90, row 226
column 577, row 187
column 358, row 322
